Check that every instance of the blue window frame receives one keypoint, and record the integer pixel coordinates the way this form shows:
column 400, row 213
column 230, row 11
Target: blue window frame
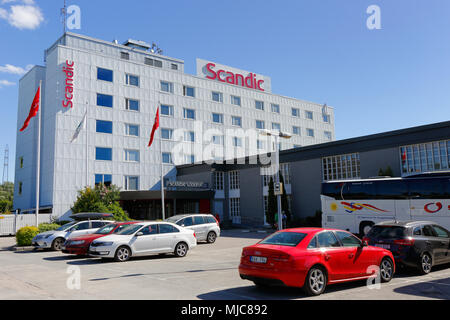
column 132, row 80
column 166, row 157
column 104, row 126
column 104, row 100
column 132, row 130
column 104, row 154
column 189, row 114
column 167, row 110
column 217, row 117
column 131, row 104
column 105, row 74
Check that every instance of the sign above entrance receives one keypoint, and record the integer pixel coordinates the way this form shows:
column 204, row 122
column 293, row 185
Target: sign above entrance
column 187, row 184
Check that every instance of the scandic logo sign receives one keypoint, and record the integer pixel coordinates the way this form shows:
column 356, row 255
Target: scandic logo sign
column 232, row 78
column 69, row 71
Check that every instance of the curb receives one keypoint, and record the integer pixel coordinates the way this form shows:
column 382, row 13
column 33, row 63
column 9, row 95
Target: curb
column 21, row 249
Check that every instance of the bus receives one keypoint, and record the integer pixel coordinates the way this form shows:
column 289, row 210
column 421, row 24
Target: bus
column 356, row 205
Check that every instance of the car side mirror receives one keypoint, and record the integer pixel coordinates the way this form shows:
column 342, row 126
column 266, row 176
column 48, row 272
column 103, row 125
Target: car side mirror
column 139, row 234
column 182, row 225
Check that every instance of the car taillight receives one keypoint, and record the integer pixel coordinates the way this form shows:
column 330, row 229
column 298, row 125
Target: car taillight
column 195, row 235
column 404, row 242
column 280, row 257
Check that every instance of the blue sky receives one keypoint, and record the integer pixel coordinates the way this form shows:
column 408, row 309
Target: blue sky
column 316, row 50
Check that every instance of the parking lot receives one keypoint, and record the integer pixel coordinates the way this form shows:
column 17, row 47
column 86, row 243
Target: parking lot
column 207, row 272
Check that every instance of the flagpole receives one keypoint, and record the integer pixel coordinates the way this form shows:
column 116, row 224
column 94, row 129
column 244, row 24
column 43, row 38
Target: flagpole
column 162, row 173
column 38, row 169
column 87, row 148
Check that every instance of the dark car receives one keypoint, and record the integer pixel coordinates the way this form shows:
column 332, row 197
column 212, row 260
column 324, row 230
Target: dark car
column 419, row 244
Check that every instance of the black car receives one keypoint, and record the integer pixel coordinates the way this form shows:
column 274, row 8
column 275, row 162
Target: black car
column 419, row 244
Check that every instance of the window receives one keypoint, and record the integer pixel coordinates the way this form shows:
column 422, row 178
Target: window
column 131, row 183
column 218, row 180
column 20, row 187
column 217, row 118
column 328, row 135
column 310, row 132
column 217, row 96
column 441, row 232
column 131, row 104
column 103, row 126
column 426, row 157
column 217, row 140
column 104, row 154
column 167, row 157
column 132, row 80
column 285, row 169
column 290, row 239
column 234, row 180
column 428, row 231
column 348, row 240
column 189, row 159
column 167, row 228
column 259, row 105
column 149, row 230
column 167, row 86
column 81, row 226
column 309, row 115
column 132, row 130
column 417, row 231
column 275, row 108
column 189, row 113
column 167, row 110
column 346, row 166
column 21, row 162
column 125, row 55
column 198, row 220
column 189, row 136
column 237, row 142
column 313, row 243
column 104, row 74
column 105, row 179
column 296, row 130
column 260, row 124
column 174, row 66
column 189, row 91
column 276, row 126
column 186, row 222
column 132, row 155
column 236, row 100
column 104, row 100
column 260, row 145
column 235, row 207
column 166, row 134
column 295, row 112
column 236, row 121
column 153, row 62
column 326, row 118
column 98, row 224
column 327, row 239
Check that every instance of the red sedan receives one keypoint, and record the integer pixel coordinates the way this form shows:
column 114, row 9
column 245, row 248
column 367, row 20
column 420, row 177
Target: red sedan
column 312, row 258
column 80, row 245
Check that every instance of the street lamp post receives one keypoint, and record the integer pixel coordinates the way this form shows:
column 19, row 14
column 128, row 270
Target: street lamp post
column 277, row 135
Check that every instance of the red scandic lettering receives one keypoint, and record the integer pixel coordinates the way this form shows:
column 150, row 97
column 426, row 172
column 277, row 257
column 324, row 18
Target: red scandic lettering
column 68, row 64
column 259, row 85
column 209, row 67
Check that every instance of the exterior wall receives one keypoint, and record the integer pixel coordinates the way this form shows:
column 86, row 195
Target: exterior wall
column 252, row 201
column 26, row 145
column 373, row 161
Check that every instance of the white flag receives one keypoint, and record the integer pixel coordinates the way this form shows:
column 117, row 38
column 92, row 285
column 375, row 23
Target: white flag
column 80, row 127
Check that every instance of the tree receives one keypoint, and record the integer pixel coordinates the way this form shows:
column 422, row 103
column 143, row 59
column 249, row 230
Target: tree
column 6, row 197
column 100, row 199
column 272, row 207
column 386, row 173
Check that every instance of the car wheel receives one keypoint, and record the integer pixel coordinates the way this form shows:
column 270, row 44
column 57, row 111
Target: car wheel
column 122, row 254
column 386, row 270
column 181, row 249
column 57, row 244
column 425, row 264
column 315, row 282
column 211, row 237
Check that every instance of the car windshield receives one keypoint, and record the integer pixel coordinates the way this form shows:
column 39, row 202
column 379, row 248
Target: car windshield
column 290, row 239
column 106, row 229
column 130, row 229
column 387, row 232
column 66, row 226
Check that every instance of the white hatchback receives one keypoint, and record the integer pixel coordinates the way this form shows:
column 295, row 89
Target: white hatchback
column 145, row 238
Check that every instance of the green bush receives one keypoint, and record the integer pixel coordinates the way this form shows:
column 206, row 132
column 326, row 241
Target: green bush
column 25, row 235
column 44, row 227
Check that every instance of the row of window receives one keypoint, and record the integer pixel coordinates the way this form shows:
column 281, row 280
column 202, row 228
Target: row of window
column 105, row 154
column 285, row 170
column 425, row 157
column 341, row 167
column 131, row 183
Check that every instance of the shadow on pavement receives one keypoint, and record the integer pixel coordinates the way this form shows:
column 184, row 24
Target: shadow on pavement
column 435, row 289
column 239, row 233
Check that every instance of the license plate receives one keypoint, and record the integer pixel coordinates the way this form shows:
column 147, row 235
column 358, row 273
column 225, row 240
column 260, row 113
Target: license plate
column 384, row 246
column 258, row 259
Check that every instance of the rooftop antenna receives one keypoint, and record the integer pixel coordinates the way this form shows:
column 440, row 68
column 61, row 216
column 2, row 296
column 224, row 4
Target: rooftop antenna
column 64, row 17
column 6, row 165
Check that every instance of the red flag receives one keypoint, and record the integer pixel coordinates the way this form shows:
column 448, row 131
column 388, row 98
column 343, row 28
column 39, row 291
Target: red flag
column 155, row 127
column 33, row 110
column 404, row 156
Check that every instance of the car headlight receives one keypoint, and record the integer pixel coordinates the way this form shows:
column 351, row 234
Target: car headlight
column 102, row 244
column 74, row 243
